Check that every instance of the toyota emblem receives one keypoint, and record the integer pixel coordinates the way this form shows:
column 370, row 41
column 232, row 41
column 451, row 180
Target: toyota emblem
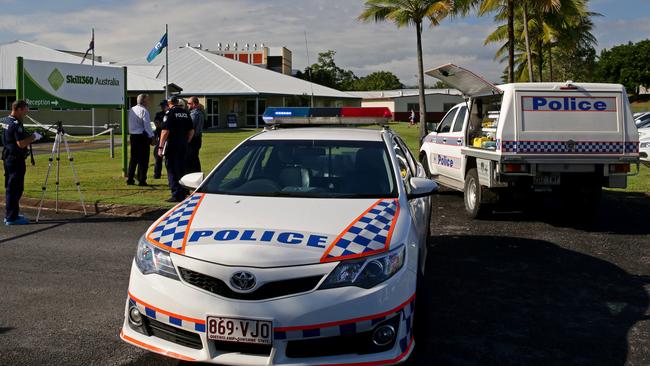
column 242, row 281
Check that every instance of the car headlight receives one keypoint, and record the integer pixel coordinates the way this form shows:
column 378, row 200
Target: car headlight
column 367, row 272
column 151, row 259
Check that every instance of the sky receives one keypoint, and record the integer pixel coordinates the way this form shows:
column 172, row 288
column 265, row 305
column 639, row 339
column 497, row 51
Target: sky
column 125, row 29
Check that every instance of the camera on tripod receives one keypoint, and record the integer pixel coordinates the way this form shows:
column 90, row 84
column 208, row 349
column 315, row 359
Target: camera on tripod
column 59, row 137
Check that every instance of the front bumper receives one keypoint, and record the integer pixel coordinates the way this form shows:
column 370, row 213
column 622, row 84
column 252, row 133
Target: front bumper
column 331, row 316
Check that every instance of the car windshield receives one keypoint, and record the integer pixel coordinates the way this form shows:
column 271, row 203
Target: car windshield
column 305, row 168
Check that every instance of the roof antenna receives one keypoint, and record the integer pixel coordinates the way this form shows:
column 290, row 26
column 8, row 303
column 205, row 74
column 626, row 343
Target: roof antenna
column 311, row 84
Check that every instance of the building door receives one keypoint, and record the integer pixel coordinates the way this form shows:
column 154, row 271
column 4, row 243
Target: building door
column 253, row 119
column 212, row 113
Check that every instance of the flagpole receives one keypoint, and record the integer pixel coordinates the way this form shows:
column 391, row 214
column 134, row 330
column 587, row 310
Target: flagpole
column 92, row 111
column 167, row 63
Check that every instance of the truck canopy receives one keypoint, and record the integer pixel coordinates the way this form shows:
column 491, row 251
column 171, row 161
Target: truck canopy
column 463, row 80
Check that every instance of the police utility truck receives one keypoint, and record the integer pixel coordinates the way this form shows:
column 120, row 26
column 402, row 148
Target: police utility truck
column 506, row 142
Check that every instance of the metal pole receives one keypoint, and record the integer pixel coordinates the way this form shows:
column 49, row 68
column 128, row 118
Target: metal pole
column 92, row 111
column 167, row 64
column 257, row 112
column 112, row 142
column 125, row 127
column 20, row 79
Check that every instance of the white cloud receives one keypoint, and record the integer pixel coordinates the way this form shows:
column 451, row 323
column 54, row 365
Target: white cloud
column 125, row 30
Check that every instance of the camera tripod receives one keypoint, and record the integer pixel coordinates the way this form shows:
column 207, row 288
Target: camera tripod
column 56, row 154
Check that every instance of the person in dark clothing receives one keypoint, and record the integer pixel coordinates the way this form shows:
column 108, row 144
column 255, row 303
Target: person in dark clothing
column 193, row 160
column 16, row 142
column 141, row 137
column 177, row 132
column 158, row 120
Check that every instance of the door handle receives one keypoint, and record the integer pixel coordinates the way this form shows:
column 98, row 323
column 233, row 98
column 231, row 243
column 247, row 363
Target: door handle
column 444, row 139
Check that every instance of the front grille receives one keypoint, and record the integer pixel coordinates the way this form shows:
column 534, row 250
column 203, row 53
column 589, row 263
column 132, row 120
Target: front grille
column 266, row 291
column 172, row 334
column 243, row 348
column 360, row 344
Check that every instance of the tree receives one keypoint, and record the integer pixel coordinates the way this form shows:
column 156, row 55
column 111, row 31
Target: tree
column 564, row 29
column 379, row 80
column 626, row 64
column 410, row 13
column 325, row 72
column 507, row 7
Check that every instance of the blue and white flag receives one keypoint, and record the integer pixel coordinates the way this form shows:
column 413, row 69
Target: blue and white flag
column 155, row 51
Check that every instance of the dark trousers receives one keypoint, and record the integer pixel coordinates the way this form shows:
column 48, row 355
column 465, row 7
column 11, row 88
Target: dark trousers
column 158, row 160
column 175, row 164
column 193, row 149
column 139, row 157
column 14, row 185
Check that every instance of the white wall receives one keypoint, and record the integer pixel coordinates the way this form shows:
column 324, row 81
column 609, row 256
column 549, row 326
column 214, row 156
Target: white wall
column 435, row 102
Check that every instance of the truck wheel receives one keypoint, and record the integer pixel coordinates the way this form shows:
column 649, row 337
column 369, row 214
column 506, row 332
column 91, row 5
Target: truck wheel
column 425, row 163
column 473, row 195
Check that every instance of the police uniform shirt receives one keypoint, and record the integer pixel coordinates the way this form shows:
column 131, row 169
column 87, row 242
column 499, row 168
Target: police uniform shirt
column 158, row 119
column 178, row 122
column 15, row 132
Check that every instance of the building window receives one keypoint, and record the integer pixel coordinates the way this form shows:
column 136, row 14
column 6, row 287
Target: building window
column 250, row 112
column 212, row 113
column 448, row 106
column 6, row 102
column 413, row 107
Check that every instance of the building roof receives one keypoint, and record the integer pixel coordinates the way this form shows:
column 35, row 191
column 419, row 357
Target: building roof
column 203, row 73
column 10, row 51
column 399, row 93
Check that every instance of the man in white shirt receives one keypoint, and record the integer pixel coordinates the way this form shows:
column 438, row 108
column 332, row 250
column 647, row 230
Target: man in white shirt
column 141, row 136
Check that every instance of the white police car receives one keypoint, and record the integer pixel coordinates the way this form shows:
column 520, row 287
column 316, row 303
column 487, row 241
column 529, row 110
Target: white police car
column 302, row 246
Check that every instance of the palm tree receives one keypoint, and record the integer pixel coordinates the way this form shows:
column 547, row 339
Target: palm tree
column 506, row 7
column 410, row 13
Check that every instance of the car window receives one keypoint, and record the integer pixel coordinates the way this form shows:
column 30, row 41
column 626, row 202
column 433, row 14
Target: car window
column 445, row 125
column 404, row 167
column 305, row 168
column 409, row 157
column 460, row 119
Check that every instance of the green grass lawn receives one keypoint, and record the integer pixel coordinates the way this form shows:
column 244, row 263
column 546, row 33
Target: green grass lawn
column 102, row 181
column 640, row 106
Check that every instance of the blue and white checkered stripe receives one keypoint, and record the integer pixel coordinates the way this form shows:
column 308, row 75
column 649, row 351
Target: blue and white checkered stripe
column 170, row 231
column 168, row 319
column 369, row 233
column 560, row 147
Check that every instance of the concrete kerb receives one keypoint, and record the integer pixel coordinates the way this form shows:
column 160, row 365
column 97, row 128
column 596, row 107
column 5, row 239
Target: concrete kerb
column 152, row 212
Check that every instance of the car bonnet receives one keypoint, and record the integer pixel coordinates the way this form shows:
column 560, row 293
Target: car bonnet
column 276, row 231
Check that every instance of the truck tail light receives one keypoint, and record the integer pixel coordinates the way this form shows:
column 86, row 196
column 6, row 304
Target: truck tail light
column 516, row 168
column 619, row 168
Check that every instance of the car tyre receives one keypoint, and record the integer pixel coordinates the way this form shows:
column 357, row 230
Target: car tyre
column 473, row 193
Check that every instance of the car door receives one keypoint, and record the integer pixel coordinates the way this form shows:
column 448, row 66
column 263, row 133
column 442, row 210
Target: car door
column 455, row 142
column 409, row 168
column 441, row 157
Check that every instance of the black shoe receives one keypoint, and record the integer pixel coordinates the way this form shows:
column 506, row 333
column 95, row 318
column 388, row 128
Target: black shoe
column 173, row 199
column 143, row 184
column 130, row 183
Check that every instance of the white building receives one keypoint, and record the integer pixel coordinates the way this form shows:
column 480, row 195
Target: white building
column 402, row 102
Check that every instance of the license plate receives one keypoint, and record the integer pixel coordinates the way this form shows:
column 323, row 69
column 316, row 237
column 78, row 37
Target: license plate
column 547, row 180
column 240, row 330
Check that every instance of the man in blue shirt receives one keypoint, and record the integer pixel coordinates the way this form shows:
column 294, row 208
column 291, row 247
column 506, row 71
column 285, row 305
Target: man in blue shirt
column 194, row 147
column 16, row 143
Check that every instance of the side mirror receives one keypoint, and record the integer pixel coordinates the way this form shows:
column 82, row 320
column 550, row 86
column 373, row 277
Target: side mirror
column 421, row 187
column 191, row 181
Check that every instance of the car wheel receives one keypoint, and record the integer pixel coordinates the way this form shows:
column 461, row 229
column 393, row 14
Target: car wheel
column 473, row 195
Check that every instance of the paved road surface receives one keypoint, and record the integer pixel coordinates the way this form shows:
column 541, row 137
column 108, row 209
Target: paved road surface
column 511, row 290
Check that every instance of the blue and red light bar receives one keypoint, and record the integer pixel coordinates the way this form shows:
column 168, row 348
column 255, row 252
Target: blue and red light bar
column 327, row 116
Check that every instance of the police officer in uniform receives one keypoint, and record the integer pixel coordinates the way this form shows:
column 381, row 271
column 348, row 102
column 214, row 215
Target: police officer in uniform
column 16, row 143
column 177, row 132
column 158, row 120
